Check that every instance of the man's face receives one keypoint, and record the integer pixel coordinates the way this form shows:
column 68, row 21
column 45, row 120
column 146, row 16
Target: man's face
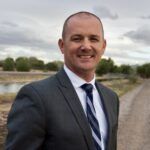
column 83, row 44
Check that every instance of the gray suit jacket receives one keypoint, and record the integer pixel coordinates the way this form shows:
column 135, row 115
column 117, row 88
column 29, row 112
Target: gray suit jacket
column 47, row 115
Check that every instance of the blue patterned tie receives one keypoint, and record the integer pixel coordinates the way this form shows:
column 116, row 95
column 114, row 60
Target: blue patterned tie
column 91, row 115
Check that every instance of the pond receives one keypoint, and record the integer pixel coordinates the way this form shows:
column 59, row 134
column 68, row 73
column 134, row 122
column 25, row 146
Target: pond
column 10, row 87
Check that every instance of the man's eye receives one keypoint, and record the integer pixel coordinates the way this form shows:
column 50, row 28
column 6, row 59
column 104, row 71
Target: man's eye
column 94, row 39
column 76, row 39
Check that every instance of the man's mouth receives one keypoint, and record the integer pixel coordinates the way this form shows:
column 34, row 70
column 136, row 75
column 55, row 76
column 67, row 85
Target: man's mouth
column 86, row 56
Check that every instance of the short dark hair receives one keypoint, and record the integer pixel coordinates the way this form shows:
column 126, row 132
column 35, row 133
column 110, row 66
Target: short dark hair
column 81, row 13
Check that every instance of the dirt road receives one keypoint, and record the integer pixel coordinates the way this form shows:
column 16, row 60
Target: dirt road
column 134, row 120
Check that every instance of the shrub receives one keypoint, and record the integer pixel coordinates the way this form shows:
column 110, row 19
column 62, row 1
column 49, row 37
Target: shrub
column 22, row 64
column 8, row 64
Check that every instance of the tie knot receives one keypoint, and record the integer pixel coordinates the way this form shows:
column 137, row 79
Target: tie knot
column 87, row 87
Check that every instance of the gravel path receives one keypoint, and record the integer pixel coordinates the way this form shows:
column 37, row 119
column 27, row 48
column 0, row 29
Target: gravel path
column 134, row 119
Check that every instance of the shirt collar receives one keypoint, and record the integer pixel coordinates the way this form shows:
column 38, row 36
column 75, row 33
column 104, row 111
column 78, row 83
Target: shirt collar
column 76, row 80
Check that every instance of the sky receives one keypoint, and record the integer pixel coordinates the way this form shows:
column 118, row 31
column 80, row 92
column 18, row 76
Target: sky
column 32, row 28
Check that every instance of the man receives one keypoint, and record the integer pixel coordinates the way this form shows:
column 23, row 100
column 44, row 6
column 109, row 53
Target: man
column 69, row 111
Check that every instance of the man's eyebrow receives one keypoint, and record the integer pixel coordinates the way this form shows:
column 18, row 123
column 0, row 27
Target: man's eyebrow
column 76, row 35
column 96, row 36
column 92, row 35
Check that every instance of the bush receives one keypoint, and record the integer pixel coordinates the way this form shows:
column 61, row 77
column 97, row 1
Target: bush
column 54, row 66
column 36, row 64
column 8, row 64
column 133, row 79
column 22, row 64
column 1, row 63
column 144, row 70
column 105, row 66
column 125, row 69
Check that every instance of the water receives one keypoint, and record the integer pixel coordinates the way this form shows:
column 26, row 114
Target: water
column 10, row 87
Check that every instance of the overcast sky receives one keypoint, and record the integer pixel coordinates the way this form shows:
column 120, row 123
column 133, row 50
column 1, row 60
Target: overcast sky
column 33, row 27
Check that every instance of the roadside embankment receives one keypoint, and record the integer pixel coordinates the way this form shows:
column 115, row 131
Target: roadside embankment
column 134, row 119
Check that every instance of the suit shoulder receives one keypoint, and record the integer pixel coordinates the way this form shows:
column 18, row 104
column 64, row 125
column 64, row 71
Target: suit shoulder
column 44, row 82
column 43, row 85
column 110, row 96
column 106, row 89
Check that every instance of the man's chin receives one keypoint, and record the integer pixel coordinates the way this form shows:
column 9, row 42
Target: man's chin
column 87, row 68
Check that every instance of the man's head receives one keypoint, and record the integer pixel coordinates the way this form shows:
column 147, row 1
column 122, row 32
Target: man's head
column 82, row 43
column 80, row 14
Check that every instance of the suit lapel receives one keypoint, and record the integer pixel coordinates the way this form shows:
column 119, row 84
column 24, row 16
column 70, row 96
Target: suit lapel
column 73, row 101
column 106, row 107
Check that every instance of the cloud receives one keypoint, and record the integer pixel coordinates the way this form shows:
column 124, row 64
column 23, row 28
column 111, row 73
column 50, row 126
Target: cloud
column 141, row 35
column 104, row 12
column 27, row 39
column 9, row 24
column 124, row 56
column 12, row 34
column 145, row 17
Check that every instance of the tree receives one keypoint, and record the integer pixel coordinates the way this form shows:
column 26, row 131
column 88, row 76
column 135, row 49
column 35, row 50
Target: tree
column 22, row 64
column 125, row 69
column 105, row 66
column 40, row 65
column 1, row 63
column 8, row 64
column 115, row 69
column 59, row 64
column 52, row 66
column 36, row 64
column 144, row 70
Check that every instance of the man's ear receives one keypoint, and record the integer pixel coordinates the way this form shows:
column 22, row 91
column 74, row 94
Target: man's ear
column 104, row 46
column 61, row 45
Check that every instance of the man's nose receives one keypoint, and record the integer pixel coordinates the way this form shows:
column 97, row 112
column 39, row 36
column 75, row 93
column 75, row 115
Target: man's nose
column 86, row 45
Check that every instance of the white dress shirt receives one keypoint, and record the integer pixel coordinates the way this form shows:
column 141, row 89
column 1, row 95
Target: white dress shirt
column 77, row 82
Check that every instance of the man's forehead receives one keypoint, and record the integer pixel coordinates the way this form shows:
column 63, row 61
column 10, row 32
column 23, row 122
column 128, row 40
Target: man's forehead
column 81, row 27
column 83, row 21
column 83, row 16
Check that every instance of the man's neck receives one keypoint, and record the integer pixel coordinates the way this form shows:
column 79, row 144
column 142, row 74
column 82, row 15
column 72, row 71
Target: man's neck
column 85, row 75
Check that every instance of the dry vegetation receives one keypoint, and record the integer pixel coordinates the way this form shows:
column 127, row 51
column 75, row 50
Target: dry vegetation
column 21, row 78
column 121, row 86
